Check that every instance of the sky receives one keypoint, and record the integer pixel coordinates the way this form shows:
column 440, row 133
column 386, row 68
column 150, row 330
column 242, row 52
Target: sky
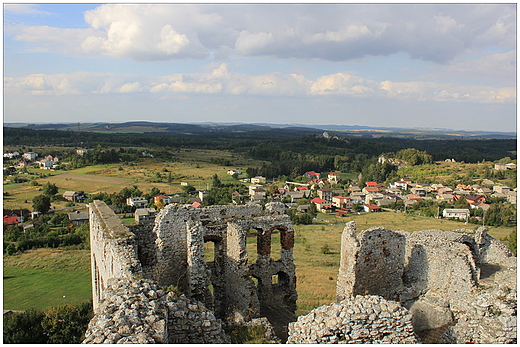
column 450, row 66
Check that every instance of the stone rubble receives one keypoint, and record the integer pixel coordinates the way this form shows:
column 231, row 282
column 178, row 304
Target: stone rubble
column 138, row 311
column 363, row 319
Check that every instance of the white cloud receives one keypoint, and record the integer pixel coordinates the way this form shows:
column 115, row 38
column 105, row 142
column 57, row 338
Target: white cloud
column 336, row 32
column 221, row 80
column 24, row 9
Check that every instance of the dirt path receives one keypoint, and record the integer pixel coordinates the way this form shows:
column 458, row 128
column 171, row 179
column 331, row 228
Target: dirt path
column 93, row 178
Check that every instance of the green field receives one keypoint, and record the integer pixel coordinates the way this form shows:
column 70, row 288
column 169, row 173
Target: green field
column 42, row 278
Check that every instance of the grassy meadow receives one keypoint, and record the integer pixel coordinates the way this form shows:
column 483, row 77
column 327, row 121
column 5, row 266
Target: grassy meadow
column 42, row 278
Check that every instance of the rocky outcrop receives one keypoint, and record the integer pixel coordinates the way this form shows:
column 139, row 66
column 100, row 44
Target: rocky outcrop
column 363, row 319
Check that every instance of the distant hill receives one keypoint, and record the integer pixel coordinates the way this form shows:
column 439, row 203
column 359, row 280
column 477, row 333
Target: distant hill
column 145, row 127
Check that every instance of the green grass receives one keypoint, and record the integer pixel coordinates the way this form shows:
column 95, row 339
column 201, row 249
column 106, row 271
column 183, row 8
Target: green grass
column 43, row 278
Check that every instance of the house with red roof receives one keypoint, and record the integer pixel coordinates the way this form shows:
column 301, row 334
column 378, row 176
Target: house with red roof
column 11, row 220
column 312, row 174
column 371, row 208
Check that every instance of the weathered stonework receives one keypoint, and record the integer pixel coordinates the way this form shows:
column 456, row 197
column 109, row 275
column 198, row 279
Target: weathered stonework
column 440, row 276
column 392, row 285
column 171, row 253
column 362, row 319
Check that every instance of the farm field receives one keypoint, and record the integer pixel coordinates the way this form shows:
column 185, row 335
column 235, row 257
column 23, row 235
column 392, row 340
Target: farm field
column 193, row 168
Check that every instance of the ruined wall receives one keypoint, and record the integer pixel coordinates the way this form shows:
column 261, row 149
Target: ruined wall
column 113, row 249
column 372, row 262
column 438, row 275
column 172, row 253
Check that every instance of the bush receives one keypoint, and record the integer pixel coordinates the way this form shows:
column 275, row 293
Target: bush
column 67, row 324
column 24, row 327
column 325, row 249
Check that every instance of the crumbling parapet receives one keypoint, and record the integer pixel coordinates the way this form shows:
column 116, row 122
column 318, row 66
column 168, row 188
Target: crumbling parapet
column 372, row 262
column 445, row 278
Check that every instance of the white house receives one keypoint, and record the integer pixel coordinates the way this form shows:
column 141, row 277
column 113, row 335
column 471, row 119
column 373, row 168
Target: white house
column 11, row 154
column 461, row 213
column 137, row 202
column 30, row 155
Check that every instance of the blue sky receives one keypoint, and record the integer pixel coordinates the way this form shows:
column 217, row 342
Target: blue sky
column 393, row 65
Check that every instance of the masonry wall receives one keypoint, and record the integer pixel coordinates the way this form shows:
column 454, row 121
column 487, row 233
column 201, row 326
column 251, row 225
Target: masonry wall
column 437, row 276
column 171, row 252
column 113, row 249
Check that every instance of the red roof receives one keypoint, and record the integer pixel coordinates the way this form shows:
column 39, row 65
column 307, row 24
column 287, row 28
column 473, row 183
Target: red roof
column 312, row 174
column 373, row 206
column 371, row 184
column 371, row 189
column 196, row 204
column 318, row 201
column 9, row 220
column 302, row 188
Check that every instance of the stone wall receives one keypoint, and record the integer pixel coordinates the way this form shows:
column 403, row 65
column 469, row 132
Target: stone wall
column 113, row 249
column 171, row 253
column 362, row 319
column 445, row 278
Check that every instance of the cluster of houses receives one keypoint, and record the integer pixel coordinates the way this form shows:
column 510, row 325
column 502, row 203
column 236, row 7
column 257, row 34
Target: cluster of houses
column 46, row 162
column 374, row 195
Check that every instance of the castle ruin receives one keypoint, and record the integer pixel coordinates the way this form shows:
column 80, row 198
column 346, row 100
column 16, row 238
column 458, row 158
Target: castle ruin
column 395, row 283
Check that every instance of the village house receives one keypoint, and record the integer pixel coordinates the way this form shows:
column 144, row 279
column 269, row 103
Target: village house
column 81, row 151
column 11, row 220
column 317, row 182
column 20, row 214
column 45, row 164
column 445, row 198
column 11, row 154
column 511, row 197
column 145, row 215
column 333, row 178
column 358, row 197
column 399, row 185
column 368, row 190
column 371, row 208
column 320, row 203
column 233, row 172
column 295, row 196
column 78, row 218
column 472, row 198
column 342, row 202
column 484, row 190
column 354, row 189
column 325, row 193
column 481, row 205
column 31, row 156
column 444, row 190
column 418, row 191
column 165, row 199
column 503, row 167
column 460, row 213
column 501, row 188
column 373, row 197
column 312, row 175
column 256, row 192
column 72, row 196
column 138, row 202
column 487, row 182
column 258, row 180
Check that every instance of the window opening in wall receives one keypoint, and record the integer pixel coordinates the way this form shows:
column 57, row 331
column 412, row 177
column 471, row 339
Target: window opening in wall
column 209, row 251
column 274, row 279
column 276, row 245
column 251, row 240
